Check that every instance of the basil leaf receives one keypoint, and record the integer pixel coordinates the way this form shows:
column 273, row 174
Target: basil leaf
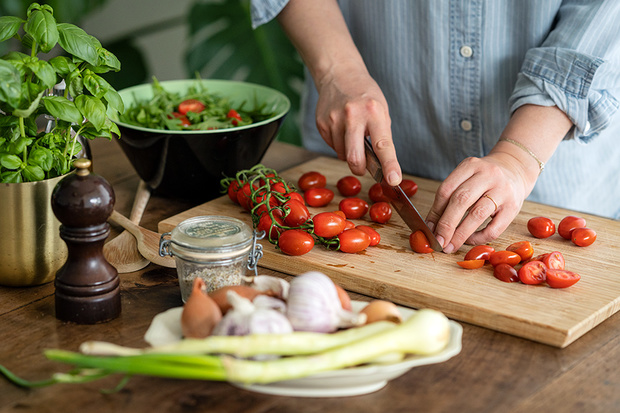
column 42, row 157
column 41, row 25
column 33, row 173
column 74, row 83
column 92, row 109
column 62, row 65
column 11, row 177
column 44, row 71
column 62, row 108
column 114, row 100
column 10, row 84
column 24, row 113
column 10, row 161
column 9, row 26
column 78, row 43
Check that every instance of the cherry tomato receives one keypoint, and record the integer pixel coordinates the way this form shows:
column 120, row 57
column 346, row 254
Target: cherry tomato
column 191, row 105
column 506, row 273
column 349, row 186
column 265, row 224
column 375, row 237
column 233, row 114
column 182, row 118
column 380, row 212
column 540, row 257
column 409, row 187
column 318, row 197
column 561, row 278
column 295, row 242
column 583, row 237
column 328, row 224
column 353, row 207
column 311, row 179
column 244, row 196
column 523, row 248
column 296, row 196
column 375, row 193
column 471, row 264
column 533, row 272
column 348, row 224
column 419, row 243
column 353, row 240
column 479, row 252
column 504, row 257
column 297, row 213
column 568, row 224
column 541, row 227
column 339, row 212
column 554, row 260
column 233, row 188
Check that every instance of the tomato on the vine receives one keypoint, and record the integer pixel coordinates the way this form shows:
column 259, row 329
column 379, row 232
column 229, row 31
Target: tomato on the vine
column 554, row 260
column 265, row 224
column 353, row 240
column 318, row 197
column 244, row 196
column 568, row 224
column 533, row 272
column 409, row 187
column 504, row 257
column 297, row 213
column 296, row 196
column 191, row 105
column 375, row 237
column 561, row 278
column 471, row 264
column 479, row 252
column 349, row 224
column 349, row 186
column 506, row 273
column 233, row 188
column 419, row 243
column 295, row 242
column 380, row 212
column 353, row 207
column 541, row 227
column 328, row 224
column 523, row 248
column 583, row 237
column 375, row 193
column 311, row 179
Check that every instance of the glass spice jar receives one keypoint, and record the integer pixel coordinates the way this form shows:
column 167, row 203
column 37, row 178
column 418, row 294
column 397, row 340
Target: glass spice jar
column 218, row 249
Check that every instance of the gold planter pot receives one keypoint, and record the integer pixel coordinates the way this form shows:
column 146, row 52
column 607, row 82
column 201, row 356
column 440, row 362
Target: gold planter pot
column 31, row 250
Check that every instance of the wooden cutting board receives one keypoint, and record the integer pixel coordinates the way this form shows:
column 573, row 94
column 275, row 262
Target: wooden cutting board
column 392, row 271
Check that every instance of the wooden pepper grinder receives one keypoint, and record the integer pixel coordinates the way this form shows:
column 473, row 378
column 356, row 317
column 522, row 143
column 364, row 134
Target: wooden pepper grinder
column 87, row 286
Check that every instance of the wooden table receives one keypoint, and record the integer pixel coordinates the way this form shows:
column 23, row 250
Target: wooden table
column 494, row 372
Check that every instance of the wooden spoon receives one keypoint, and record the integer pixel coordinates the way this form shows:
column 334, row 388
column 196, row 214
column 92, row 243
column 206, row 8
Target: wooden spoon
column 122, row 251
column 148, row 241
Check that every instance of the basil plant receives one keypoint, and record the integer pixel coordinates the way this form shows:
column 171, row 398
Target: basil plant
column 26, row 94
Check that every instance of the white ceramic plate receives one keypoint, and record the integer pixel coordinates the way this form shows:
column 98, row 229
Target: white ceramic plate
column 165, row 329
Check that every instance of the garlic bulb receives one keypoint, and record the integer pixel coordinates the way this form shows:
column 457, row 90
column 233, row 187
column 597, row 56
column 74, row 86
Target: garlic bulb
column 313, row 305
column 278, row 286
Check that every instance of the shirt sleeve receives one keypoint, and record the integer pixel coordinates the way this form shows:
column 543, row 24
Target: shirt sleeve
column 263, row 11
column 577, row 68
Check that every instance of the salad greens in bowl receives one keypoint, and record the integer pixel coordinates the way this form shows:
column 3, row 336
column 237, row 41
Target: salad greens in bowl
column 183, row 136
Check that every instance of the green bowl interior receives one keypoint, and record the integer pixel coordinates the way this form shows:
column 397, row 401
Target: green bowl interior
column 236, row 92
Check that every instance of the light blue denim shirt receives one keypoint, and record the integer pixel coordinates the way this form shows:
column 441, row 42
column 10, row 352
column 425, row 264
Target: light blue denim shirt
column 453, row 72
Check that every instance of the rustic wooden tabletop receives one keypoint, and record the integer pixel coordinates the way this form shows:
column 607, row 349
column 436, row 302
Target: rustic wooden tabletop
column 494, row 371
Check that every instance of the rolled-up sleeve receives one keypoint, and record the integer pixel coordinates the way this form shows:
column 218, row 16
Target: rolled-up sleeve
column 577, row 68
column 263, row 11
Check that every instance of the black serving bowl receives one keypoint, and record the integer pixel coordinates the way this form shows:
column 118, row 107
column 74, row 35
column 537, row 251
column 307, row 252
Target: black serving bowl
column 189, row 164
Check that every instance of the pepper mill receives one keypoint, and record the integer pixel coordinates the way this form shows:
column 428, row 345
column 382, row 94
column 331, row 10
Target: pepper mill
column 87, row 286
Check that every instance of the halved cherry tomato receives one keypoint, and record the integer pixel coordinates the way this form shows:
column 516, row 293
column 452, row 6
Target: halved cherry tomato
column 296, row 214
column 533, row 272
column 375, row 237
column 541, row 227
column 554, row 260
column 353, row 240
column 191, row 105
column 353, row 207
column 375, row 193
column 318, row 197
column 479, row 252
column 328, row 224
column 504, row 257
column 182, row 118
column 409, row 187
column 233, row 188
column 523, row 248
column 506, row 273
column 295, row 242
column 419, row 243
column 349, row 186
column 380, row 212
column 561, row 278
column 311, row 179
column 583, row 237
column 471, row 264
column 568, row 224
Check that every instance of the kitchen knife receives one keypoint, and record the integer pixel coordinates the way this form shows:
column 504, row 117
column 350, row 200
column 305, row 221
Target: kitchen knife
column 399, row 200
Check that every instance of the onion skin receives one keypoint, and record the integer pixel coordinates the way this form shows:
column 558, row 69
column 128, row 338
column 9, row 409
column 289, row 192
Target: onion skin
column 219, row 295
column 381, row 310
column 345, row 300
column 200, row 313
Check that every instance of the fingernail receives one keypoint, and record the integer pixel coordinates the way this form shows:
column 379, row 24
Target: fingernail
column 393, row 178
column 440, row 240
column 431, row 226
column 449, row 248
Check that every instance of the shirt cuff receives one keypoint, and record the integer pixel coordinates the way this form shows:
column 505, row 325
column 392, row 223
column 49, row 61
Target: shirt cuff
column 263, row 11
column 566, row 79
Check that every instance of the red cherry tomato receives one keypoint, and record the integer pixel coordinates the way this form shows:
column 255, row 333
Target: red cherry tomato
column 554, row 260
column 568, row 224
column 419, row 243
column 295, row 242
column 328, row 224
column 266, row 224
column 297, row 213
column 233, row 188
column 375, row 193
column 182, row 118
column 349, row 186
column 348, row 224
column 353, row 207
column 296, row 196
column 541, row 227
column 533, row 272
column 353, row 240
column 339, row 212
column 506, row 273
column 244, row 196
column 583, row 237
column 375, row 237
column 504, row 257
column 523, row 248
column 311, row 179
column 471, row 264
column 191, row 105
column 409, row 187
column 380, row 212
column 561, row 278
column 479, row 252
column 233, row 114
column 318, row 197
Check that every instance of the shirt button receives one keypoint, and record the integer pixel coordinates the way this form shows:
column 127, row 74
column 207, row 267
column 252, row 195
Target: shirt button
column 466, row 125
column 466, row 51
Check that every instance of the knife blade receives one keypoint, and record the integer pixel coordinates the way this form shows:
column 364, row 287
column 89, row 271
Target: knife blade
column 399, row 200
